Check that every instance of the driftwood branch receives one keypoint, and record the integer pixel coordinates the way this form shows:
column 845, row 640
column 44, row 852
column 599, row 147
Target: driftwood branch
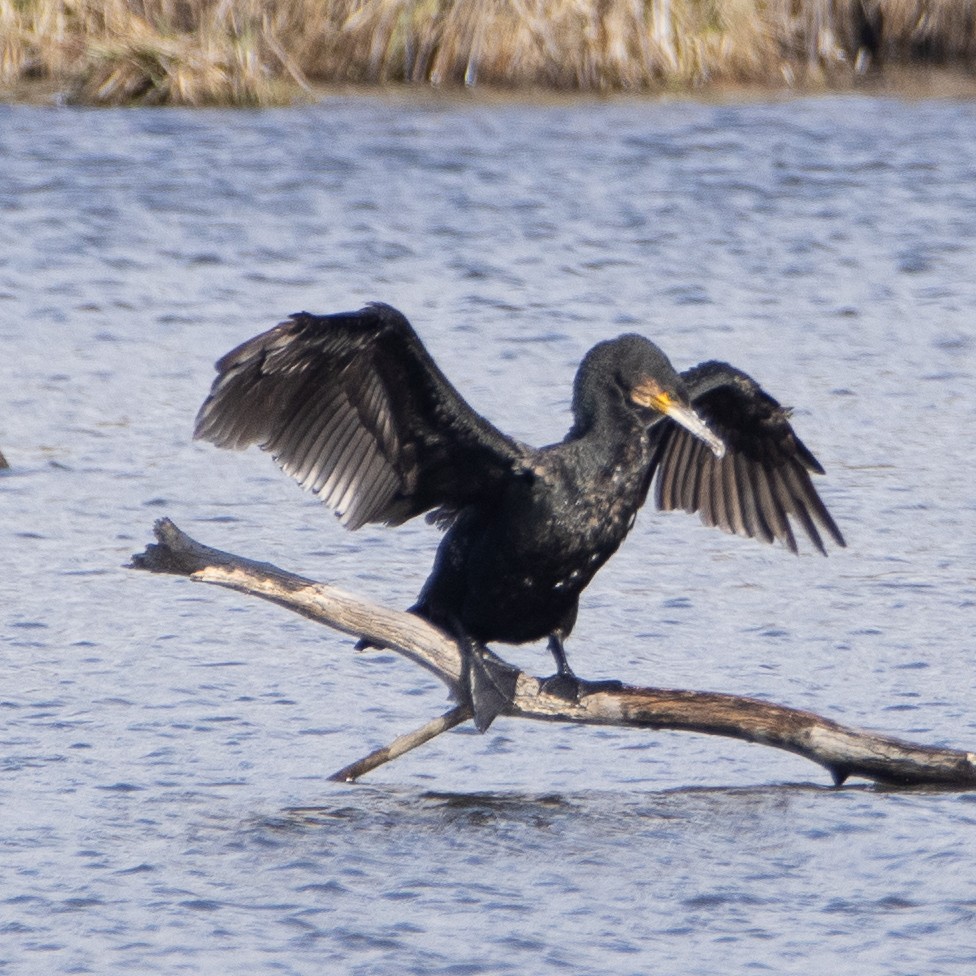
column 402, row 744
column 842, row 750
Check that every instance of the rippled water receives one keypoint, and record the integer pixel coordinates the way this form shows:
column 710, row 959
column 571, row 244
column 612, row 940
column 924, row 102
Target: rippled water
column 164, row 804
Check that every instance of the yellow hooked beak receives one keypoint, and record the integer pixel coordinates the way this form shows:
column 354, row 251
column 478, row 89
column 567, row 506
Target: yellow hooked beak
column 649, row 394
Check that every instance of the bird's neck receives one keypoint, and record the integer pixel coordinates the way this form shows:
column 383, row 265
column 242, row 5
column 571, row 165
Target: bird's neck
column 609, row 437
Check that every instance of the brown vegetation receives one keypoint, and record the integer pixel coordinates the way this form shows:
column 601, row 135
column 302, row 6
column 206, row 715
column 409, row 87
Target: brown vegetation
column 264, row 51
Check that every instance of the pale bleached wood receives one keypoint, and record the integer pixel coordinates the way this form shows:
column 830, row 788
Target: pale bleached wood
column 402, row 744
column 842, row 750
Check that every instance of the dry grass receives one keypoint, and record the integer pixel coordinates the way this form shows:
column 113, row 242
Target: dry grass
column 250, row 52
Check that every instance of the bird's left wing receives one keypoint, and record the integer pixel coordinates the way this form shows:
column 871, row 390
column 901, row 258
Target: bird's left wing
column 763, row 480
column 353, row 407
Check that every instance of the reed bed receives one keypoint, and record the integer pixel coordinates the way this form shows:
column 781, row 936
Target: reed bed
column 257, row 52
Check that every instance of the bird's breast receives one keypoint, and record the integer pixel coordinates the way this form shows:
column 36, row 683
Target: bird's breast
column 571, row 521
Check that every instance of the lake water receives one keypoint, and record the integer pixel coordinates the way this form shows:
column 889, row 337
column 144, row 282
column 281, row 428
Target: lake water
column 165, row 746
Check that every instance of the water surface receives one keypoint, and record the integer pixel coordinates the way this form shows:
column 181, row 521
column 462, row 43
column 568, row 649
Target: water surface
column 165, row 747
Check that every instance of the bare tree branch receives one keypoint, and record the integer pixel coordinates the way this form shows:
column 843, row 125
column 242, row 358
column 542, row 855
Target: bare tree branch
column 842, row 750
column 402, row 744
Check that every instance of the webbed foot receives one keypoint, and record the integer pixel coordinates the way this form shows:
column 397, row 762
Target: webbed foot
column 562, row 684
column 489, row 683
column 566, row 685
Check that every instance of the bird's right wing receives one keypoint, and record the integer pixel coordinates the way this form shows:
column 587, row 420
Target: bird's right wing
column 353, row 407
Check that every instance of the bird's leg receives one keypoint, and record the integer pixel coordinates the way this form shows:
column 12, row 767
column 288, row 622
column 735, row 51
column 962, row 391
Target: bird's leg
column 564, row 683
column 487, row 681
column 558, row 651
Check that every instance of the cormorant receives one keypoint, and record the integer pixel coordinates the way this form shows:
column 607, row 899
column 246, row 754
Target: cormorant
column 353, row 407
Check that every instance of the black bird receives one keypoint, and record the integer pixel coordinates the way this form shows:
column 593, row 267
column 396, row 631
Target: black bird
column 353, row 407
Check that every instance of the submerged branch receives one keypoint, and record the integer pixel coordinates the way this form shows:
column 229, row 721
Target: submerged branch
column 842, row 750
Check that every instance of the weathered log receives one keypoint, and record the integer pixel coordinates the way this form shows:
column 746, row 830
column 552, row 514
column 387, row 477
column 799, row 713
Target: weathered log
column 842, row 750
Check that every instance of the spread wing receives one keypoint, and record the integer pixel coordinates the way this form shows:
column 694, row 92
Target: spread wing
column 763, row 481
column 353, row 408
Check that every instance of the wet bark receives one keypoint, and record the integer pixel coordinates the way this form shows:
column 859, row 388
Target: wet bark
column 842, row 750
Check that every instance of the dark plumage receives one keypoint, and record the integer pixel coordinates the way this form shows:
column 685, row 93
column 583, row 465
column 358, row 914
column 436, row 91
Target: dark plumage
column 353, row 407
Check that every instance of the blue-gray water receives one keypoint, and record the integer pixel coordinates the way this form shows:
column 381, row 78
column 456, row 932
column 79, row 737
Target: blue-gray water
column 157, row 736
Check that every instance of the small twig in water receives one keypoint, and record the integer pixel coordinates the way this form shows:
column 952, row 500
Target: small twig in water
column 402, row 744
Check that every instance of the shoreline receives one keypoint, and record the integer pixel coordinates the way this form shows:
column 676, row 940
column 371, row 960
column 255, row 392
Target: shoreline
column 902, row 83
column 258, row 53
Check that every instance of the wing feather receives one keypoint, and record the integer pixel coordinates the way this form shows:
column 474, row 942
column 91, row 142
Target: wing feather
column 708, row 513
column 376, row 481
column 697, row 458
column 665, row 491
column 734, row 507
column 798, row 491
column 306, row 445
column 681, row 451
column 769, row 503
column 756, row 525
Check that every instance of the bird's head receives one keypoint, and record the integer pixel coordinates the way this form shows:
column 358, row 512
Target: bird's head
column 632, row 369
